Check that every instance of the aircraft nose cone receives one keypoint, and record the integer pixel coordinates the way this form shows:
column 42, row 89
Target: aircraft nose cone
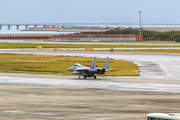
column 70, row 69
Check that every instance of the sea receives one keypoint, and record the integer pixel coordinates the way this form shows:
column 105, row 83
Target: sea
column 126, row 25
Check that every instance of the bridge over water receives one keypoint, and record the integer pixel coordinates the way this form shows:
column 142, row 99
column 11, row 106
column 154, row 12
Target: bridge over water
column 31, row 24
column 17, row 25
column 26, row 25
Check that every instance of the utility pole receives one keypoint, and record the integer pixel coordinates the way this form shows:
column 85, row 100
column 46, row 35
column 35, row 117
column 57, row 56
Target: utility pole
column 140, row 21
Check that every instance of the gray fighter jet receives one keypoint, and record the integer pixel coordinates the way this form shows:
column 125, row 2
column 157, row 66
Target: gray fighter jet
column 79, row 69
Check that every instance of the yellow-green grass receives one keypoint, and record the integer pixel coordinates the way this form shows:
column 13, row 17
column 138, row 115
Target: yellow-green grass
column 33, row 45
column 47, row 64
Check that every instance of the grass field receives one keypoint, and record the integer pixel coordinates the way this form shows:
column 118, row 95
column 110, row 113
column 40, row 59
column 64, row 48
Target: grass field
column 46, row 64
column 29, row 45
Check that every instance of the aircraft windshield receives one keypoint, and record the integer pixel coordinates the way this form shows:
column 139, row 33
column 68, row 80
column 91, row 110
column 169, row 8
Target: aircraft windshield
column 76, row 64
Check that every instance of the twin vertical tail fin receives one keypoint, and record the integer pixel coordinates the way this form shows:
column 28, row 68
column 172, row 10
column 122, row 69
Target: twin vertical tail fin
column 106, row 64
column 93, row 66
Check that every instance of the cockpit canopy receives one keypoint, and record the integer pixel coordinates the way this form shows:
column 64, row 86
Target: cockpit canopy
column 77, row 64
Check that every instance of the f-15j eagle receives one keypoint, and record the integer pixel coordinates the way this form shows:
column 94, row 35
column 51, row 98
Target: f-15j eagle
column 85, row 71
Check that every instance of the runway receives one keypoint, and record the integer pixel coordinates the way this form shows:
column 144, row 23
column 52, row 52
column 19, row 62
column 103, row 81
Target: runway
column 152, row 67
column 109, row 83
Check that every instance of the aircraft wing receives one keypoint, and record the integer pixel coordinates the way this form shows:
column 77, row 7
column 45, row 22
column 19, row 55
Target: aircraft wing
column 79, row 69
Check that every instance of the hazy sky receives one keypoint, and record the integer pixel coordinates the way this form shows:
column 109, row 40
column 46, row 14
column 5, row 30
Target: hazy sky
column 89, row 11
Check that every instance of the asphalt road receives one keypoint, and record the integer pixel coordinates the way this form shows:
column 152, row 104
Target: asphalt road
column 110, row 83
column 100, row 43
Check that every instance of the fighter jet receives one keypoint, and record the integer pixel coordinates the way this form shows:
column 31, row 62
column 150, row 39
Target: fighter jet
column 106, row 27
column 117, row 28
column 79, row 69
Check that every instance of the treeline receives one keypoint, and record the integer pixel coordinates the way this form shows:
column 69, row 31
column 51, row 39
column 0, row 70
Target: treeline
column 147, row 34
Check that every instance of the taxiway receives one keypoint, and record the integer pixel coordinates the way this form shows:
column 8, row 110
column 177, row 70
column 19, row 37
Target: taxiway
column 89, row 43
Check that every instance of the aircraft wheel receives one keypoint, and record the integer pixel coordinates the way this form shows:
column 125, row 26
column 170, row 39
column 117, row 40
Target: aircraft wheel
column 79, row 77
column 94, row 77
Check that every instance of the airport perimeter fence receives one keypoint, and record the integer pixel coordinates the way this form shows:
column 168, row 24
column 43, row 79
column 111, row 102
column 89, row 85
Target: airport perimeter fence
column 97, row 37
column 24, row 36
column 74, row 37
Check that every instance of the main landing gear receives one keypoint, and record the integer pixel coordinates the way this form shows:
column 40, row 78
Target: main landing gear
column 87, row 76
